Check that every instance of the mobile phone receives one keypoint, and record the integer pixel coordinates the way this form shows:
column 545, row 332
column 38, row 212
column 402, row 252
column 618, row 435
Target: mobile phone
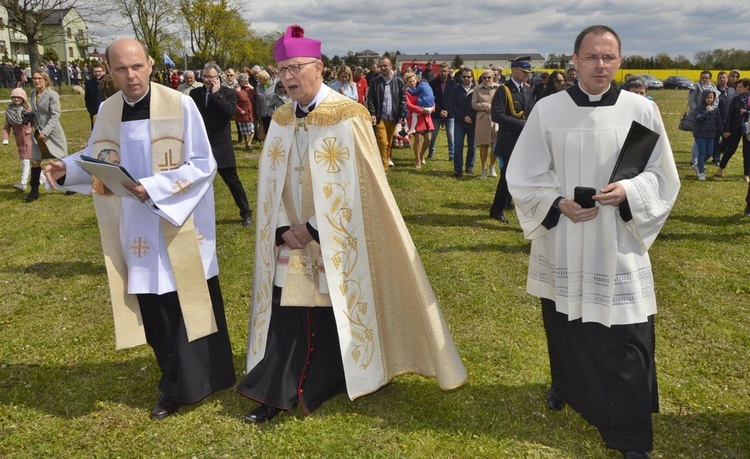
column 584, row 196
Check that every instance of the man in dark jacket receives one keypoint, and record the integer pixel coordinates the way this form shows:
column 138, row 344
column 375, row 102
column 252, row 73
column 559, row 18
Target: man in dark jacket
column 444, row 88
column 92, row 92
column 217, row 105
column 510, row 113
column 465, row 118
column 386, row 102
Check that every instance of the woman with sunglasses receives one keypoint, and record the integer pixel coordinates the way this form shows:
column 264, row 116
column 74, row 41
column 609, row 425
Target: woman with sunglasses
column 48, row 139
column 486, row 130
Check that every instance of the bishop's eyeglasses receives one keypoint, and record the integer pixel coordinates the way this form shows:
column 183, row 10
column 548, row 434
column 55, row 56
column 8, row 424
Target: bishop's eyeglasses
column 294, row 68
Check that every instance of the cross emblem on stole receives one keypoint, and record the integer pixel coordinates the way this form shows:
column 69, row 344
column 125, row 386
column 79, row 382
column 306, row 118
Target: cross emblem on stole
column 181, row 186
column 168, row 163
column 139, row 247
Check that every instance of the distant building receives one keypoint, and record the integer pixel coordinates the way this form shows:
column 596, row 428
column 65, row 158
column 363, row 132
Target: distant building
column 367, row 54
column 64, row 31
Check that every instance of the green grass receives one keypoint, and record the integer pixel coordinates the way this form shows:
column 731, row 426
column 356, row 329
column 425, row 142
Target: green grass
column 65, row 391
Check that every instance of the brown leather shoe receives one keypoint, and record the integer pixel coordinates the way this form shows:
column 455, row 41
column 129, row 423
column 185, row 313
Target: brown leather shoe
column 261, row 414
column 164, row 407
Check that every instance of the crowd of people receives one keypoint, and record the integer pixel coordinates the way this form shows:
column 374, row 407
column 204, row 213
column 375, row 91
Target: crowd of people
column 324, row 318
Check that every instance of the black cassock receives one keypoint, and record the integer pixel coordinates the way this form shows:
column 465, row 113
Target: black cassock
column 302, row 364
column 190, row 371
column 608, row 375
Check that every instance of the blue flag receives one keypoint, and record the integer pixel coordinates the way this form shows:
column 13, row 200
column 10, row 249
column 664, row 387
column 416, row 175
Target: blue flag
column 169, row 61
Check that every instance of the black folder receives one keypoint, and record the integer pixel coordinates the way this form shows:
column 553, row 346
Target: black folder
column 634, row 156
column 635, row 153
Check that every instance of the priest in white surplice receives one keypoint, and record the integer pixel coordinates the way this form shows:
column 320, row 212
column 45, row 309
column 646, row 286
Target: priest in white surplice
column 341, row 301
column 157, row 246
column 591, row 266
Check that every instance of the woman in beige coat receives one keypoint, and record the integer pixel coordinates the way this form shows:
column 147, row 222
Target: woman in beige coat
column 486, row 132
column 48, row 139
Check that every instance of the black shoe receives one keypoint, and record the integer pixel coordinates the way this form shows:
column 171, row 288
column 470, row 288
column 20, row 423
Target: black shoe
column 164, row 407
column 458, row 174
column 32, row 196
column 247, row 221
column 261, row 414
column 747, row 210
column 554, row 401
column 500, row 217
column 634, row 455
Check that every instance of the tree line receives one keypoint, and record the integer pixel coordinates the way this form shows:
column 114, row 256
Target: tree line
column 709, row 59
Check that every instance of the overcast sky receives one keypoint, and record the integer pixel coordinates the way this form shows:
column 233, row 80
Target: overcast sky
column 647, row 27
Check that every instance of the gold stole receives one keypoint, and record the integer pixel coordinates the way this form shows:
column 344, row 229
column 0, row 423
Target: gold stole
column 302, row 284
column 168, row 153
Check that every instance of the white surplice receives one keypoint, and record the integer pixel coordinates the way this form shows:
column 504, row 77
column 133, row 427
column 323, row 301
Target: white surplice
column 149, row 269
column 598, row 270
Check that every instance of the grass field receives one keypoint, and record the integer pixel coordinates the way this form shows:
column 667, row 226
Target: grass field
column 65, row 391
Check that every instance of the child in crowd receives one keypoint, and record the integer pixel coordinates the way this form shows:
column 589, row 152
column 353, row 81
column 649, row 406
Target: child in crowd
column 400, row 138
column 17, row 120
column 708, row 125
column 425, row 100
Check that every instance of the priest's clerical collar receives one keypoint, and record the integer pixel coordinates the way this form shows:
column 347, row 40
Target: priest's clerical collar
column 139, row 110
column 322, row 94
column 584, row 99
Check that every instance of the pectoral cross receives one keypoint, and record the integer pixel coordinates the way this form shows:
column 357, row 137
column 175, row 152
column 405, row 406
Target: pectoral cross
column 301, row 168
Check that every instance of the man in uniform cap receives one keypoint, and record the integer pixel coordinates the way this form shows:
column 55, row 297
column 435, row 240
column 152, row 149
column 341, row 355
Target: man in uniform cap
column 510, row 108
column 325, row 316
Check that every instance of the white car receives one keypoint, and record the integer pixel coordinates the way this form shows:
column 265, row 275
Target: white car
column 651, row 81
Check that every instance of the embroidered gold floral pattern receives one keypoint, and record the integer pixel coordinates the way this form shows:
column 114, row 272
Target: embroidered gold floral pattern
column 264, row 277
column 331, row 155
column 276, row 153
column 345, row 257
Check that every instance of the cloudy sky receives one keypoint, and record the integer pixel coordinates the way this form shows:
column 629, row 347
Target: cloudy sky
column 647, row 27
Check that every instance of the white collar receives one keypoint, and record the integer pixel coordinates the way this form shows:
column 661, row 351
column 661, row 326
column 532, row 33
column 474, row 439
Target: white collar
column 322, row 94
column 593, row 97
column 133, row 103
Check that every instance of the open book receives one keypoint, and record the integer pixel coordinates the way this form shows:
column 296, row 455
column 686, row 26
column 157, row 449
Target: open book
column 112, row 175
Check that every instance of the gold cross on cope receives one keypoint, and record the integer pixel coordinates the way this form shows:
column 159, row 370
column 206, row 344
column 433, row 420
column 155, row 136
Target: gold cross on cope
column 181, row 186
column 139, row 247
column 168, row 163
column 332, row 154
column 201, row 239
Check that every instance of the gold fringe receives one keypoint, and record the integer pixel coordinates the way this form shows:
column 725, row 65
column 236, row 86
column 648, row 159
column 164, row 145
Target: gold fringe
column 328, row 114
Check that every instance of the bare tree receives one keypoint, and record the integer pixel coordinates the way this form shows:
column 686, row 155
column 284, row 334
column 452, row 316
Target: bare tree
column 149, row 20
column 29, row 16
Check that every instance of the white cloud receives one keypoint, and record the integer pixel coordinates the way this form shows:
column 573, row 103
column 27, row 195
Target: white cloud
column 498, row 26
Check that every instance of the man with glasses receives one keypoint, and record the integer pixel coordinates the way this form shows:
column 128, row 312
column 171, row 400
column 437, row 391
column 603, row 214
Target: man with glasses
column 465, row 123
column 386, row 101
column 511, row 107
column 92, row 92
column 590, row 265
column 217, row 105
column 325, row 316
